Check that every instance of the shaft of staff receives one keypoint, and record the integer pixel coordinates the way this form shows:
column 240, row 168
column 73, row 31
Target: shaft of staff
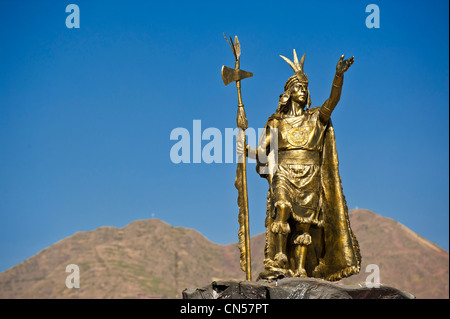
column 236, row 75
column 248, row 268
column 238, row 85
column 242, row 126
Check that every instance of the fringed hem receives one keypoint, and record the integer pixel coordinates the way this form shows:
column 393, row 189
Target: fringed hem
column 303, row 220
column 280, row 228
column 303, row 239
column 346, row 272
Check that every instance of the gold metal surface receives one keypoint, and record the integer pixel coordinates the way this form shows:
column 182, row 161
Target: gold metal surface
column 308, row 231
column 297, row 136
column 236, row 75
column 232, row 75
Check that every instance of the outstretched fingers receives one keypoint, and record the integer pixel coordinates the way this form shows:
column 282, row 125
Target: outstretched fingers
column 348, row 63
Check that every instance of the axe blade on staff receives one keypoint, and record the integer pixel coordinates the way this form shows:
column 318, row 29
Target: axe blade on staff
column 236, row 75
column 232, row 75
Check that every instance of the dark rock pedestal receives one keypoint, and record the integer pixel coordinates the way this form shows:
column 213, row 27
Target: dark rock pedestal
column 292, row 288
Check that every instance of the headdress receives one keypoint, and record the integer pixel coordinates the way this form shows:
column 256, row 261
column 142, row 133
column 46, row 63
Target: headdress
column 297, row 67
column 298, row 77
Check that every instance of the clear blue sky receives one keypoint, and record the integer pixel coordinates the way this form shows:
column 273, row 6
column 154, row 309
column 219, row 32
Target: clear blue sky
column 86, row 114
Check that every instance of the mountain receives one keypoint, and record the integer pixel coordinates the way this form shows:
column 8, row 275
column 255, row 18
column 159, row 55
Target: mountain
column 151, row 259
column 406, row 260
column 145, row 259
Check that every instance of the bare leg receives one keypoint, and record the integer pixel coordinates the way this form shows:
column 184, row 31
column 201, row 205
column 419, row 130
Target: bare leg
column 281, row 229
column 301, row 242
column 276, row 261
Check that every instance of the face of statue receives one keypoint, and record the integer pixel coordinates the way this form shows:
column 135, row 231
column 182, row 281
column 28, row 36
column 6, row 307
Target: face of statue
column 299, row 93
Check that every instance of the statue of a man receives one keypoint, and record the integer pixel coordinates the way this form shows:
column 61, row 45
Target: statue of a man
column 308, row 232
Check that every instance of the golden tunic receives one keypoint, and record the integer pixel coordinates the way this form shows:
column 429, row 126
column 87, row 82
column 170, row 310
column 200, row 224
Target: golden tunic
column 296, row 181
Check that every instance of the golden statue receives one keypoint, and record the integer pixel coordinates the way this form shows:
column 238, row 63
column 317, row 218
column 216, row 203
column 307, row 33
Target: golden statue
column 308, row 231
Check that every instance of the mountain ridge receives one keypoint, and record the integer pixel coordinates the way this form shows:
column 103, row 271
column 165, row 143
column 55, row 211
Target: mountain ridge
column 149, row 258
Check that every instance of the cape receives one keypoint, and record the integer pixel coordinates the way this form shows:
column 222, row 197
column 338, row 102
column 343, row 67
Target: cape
column 333, row 253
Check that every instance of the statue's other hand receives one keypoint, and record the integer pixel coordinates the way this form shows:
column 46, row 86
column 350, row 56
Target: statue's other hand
column 240, row 146
column 343, row 65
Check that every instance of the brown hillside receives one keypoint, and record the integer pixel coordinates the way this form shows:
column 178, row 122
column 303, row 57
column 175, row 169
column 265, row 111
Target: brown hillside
column 149, row 259
column 137, row 261
column 406, row 260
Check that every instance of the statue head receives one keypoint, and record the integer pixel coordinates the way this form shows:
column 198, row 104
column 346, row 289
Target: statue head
column 296, row 87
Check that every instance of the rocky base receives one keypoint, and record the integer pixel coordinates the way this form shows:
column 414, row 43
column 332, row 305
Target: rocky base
column 292, row 288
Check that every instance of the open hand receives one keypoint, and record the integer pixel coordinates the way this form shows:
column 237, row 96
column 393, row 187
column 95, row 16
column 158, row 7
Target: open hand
column 343, row 65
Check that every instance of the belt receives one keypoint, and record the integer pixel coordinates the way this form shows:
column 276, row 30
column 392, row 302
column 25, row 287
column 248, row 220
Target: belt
column 299, row 157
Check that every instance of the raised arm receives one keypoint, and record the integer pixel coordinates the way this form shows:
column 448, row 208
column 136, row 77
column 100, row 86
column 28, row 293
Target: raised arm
column 329, row 105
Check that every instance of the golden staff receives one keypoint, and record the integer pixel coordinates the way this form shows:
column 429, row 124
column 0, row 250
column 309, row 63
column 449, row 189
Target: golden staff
column 236, row 75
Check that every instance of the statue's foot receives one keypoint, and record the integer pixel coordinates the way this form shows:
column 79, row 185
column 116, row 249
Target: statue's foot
column 280, row 261
column 271, row 274
column 301, row 273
